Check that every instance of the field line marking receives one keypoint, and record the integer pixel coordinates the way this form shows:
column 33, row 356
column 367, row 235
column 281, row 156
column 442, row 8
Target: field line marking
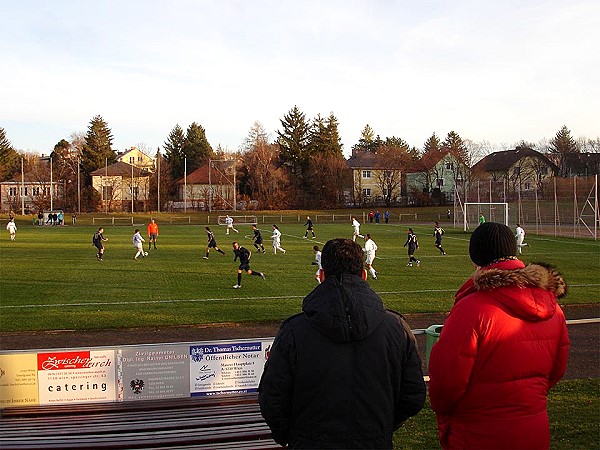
column 582, row 321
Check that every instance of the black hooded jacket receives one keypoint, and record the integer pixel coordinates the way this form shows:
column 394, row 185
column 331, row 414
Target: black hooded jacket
column 345, row 373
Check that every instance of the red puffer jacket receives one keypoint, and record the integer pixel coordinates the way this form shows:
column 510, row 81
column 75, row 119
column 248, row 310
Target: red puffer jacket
column 502, row 348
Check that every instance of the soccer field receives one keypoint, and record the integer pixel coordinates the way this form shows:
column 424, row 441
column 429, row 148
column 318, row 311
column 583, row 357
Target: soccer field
column 50, row 278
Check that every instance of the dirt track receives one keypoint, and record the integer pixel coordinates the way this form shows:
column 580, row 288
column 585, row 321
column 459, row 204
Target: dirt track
column 584, row 356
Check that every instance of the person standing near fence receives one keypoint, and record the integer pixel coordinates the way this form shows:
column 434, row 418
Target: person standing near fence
column 229, row 223
column 97, row 241
column 276, row 236
column 138, row 243
column 413, row 245
column 244, row 255
column 520, row 237
column 309, row 227
column 152, row 233
column 211, row 243
column 438, row 232
column 386, row 216
column 11, row 227
column 345, row 373
column 503, row 346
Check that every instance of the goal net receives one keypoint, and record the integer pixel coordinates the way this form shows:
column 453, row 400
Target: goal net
column 239, row 220
column 491, row 212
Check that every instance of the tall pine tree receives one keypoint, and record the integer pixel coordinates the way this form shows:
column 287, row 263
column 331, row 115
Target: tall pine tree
column 196, row 148
column 174, row 152
column 561, row 145
column 9, row 158
column 97, row 150
column 456, row 145
column 294, row 141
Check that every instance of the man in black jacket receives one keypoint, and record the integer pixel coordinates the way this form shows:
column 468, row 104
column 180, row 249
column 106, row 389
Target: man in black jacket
column 345, row 373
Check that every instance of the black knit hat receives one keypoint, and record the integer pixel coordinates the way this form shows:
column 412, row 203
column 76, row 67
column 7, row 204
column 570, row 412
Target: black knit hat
column 491, row 241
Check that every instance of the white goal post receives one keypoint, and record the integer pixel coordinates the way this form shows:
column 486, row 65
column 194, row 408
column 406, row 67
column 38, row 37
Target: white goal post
column 492, row 212
column 239, row 220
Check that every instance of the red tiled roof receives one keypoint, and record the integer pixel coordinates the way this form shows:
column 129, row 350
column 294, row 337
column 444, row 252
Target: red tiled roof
column 200, row 176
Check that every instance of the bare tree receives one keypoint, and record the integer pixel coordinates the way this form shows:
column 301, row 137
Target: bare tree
column 267, row 181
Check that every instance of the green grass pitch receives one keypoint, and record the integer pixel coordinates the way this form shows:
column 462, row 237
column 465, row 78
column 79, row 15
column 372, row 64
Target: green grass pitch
column 50, row 278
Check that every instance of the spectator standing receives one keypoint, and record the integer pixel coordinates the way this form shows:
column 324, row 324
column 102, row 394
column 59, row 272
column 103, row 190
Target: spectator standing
column 386, row 216
column 481, row 219
column 345, row 373
column 40, row 217
column 502, row 348
column 377, row 217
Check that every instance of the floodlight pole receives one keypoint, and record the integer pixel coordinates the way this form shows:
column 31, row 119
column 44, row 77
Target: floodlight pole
column 51, row 193
column 185, row 184
column 22, row 189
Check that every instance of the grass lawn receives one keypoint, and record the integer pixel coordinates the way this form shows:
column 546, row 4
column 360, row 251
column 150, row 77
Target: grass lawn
column 52, row 280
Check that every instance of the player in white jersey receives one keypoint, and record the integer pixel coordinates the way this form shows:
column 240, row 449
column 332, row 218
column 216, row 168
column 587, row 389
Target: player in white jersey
column 370, row 249
column 276, row 236
column 520, row 236
column 356, row 226
column 229, row 223
column 11, row 227
column 138, row 243
column 317, row 262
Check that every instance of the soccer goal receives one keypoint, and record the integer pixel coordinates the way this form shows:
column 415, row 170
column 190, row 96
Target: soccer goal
column 238, row 220
column 492, row 212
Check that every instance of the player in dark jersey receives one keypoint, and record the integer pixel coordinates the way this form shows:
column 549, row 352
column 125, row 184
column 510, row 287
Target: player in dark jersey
column 309, row 227
column 438, row 232
column 97, row 240
column 244, row 255
column 212, row 243
column 258, row 239
column 413, row 245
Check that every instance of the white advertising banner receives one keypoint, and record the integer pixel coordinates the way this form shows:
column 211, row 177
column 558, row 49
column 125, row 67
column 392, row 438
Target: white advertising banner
column 78, row 376
column 227, row 367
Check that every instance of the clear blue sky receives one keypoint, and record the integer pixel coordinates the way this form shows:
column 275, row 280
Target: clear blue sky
column 499, row 71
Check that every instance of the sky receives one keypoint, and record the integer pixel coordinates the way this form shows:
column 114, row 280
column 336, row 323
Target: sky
column 493, row 71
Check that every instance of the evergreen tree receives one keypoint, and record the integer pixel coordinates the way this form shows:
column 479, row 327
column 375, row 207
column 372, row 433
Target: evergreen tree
column 174, row 152
column 455, row 144
column 561, row 145
column 256, row 136
column 9, row 158
column 333, row 141
column 196, row 148
column 432, row 144
column 294, row 141
column 97, row 150
column 368, row 142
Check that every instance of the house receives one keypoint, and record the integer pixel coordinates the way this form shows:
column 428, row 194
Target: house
column 30, row 192
column 522, row 169
column 120, row 184
column 374, row 179
column 433, row 178
column 194, row 189
column 135, row 157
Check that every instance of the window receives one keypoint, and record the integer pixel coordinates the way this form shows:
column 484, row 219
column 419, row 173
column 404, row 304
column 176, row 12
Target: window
column 46, row 190
column 134, row 191
column 366, row 174
column 131, row 159
column 517, row 171
column 139, row 159
column 36, row 191
column 25, row 191
column 440, row 182
column 107, row 192
column 12, row 191
column 527, row 186
column 366, row 192
column 449, row 165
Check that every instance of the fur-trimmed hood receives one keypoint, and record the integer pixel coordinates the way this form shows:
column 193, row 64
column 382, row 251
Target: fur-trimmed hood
column 529, row 291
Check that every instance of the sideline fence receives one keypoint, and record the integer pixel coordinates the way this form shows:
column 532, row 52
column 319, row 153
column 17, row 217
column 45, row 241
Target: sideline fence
column 113, row 220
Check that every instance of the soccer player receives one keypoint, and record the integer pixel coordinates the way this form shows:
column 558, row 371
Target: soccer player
column 244, row 255
column 212, row 243
column 438, row 232
column 229, row 223
column 370, row 249
column 309, row 227
column 258, row 239
column 356, row 226
column 277, row 240
column 317, row 262
column 413, row 245
column 11, row 227
column 152, row 233
column 138, row 242
column 481, row 219
column 97, row 242
column 520, row 236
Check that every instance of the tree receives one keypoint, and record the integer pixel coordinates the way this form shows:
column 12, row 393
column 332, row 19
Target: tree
column 432, row 144
column 97, row 150
column 368, row 142
column 196, row 148
column 562, row 144
column 394, row 158
column 456, row 145
column 329, row 176
column 256, row 136
column 266, row 181
column 174, row 152
column 293, row 141
column 9, row 158
column 324, row 136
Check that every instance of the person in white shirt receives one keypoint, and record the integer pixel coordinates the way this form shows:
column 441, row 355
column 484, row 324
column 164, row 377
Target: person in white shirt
column 370, row 249
column 356, row 226
column 277, row 240
column 229, row 223
column 138, row 243
column 317, row 262
column 11, row 227
column 520, row 236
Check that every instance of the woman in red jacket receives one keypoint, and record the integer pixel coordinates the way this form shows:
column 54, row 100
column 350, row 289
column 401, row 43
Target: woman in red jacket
column 502, row 348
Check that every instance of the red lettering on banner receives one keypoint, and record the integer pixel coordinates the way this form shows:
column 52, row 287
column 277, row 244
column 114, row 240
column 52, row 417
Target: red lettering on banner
column 63, row 360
